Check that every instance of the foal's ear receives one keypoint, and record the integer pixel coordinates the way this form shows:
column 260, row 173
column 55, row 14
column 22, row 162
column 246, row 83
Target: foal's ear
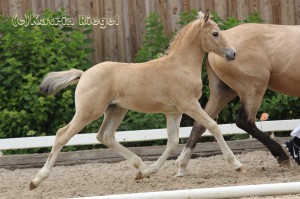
column 200, row 15
column 206, row 16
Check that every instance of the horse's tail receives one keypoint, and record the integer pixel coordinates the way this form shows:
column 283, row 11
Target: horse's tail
column 55, row 81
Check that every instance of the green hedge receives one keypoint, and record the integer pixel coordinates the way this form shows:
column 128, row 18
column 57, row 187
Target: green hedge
column 27, row 54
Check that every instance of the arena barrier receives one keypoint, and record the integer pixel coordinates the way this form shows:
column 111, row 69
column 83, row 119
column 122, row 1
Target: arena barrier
column 140, row 135
column 212, row 193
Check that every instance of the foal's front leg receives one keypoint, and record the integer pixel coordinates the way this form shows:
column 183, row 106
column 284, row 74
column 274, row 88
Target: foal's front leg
column 220, row 95
column 173, row 124
column 195, row 111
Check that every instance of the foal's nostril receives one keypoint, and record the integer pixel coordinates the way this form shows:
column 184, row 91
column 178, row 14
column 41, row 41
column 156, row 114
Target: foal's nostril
column 233, row 57
column 230, row 56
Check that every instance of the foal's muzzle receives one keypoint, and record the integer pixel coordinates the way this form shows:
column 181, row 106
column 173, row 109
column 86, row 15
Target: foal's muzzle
column 230, row 54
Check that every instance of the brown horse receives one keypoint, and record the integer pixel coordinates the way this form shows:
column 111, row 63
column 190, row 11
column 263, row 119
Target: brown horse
column 268, row 58
column 169, row 85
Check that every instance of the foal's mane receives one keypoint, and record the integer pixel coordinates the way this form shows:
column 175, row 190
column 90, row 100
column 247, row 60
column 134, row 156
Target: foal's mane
column 181, row 34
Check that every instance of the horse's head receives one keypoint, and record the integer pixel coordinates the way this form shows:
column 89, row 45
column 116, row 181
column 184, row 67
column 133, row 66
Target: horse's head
column 212, row 39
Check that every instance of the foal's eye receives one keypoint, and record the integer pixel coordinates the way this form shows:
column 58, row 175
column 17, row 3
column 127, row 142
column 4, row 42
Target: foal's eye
column 215, row 34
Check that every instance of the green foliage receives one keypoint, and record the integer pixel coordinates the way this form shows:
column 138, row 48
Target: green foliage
column 137, row 121
column 231, row 22
column 253, row 18
column 280, row 106
column 27, row 54
column 187, row 17
column 155, row 41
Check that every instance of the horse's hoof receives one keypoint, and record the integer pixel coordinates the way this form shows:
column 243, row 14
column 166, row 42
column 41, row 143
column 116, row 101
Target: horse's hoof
column 286, row 161
column 285, row 164
column 31, row 186
column 241, row 169
column 180, row 173
column 138, row 176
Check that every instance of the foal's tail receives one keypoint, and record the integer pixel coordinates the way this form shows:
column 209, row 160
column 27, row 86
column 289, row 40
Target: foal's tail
column 56, row 81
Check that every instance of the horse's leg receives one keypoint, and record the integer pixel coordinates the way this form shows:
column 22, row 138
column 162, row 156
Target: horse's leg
column 90, row 105
column 173, row 125
column 63, row 135
column 250, row 103
column 212, row 108
column 113, row 116
column 220, row 95
column 195, row 111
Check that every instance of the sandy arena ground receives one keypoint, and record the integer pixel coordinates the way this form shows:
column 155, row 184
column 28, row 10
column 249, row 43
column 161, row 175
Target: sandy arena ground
column 106, row 178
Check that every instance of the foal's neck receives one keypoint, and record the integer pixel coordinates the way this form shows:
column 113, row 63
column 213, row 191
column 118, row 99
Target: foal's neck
column 190, row 56
column 187, row 45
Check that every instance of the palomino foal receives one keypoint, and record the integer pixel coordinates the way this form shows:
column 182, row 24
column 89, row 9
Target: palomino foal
column 170, row 85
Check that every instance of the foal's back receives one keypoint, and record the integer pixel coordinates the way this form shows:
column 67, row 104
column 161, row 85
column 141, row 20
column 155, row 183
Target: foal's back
column 152, row 87
column 267, row 56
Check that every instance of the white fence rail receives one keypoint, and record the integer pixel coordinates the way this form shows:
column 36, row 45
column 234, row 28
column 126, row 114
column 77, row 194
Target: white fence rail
column 213, row 193
column 142, row 135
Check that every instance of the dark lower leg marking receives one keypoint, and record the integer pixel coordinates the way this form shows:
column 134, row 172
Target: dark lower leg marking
column 196, row 133
column 249, row 126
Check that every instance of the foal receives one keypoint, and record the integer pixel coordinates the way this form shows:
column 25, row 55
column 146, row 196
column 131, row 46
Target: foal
column 170, row 85
column 268, row 59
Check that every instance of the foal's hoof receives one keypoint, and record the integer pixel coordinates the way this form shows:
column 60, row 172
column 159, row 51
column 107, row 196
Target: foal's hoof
column 241, row 169
column 181, row 173
column 138, row 176
column 31, row 186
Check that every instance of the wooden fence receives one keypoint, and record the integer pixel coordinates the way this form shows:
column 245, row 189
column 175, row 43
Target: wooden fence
column 121, row 42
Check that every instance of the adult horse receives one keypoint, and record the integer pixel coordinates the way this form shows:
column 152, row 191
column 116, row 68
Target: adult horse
column 268, row 58
column 169, row 85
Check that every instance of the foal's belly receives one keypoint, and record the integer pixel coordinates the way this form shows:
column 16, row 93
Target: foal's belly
column 146, row 106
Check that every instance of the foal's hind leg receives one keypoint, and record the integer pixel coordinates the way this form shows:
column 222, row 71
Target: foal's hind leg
column 173, row 124
column 250, row 103
column 63, row 135
column 195, row 111
column 112, row 118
